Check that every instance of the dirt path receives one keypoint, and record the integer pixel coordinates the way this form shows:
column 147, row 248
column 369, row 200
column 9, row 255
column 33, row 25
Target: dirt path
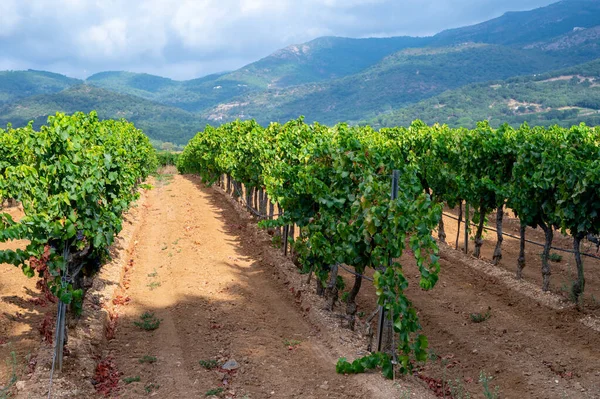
column 216, row 301
column 22, row 311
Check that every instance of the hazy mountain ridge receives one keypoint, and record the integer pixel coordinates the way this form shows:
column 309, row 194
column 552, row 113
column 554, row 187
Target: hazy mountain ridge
column 15, row 85
column 400, row 79
column 525, row 27
column 564, row 97
column 160, row 122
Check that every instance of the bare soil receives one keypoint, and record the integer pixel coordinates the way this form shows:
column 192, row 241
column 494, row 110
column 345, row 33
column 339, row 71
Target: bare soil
column 212, row 281
column 534, row 344
column 22, row 311
column 222, row 292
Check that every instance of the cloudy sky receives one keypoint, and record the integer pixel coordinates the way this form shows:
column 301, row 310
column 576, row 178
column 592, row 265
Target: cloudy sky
column 184, row 39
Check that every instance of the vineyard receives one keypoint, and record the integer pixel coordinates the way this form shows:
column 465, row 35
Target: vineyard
column 74, row 179
column 334, row 184
column 348, row 203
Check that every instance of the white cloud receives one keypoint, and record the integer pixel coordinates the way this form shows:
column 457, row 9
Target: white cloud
column 10, row 17
column 187, row 38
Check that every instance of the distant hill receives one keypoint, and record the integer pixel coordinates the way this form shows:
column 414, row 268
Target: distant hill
column 321, row 59
column 318, row 60
column 564, row 97
column 158, row 121
column 400, row 79
column 15, row 85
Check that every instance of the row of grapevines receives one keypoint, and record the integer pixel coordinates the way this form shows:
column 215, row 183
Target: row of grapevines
column 12, row 153
column 334, row 183
column 546, row 175
column 75, row 178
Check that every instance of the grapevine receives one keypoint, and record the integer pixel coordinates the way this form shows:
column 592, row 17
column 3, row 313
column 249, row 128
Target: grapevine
column 334, row 182
column 76, row 177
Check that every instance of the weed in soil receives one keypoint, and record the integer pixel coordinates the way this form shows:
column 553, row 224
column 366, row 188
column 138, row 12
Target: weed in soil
column 5, row 390
column 154, row 285
column 433, row 355
column 553, row 257
column 147, row 359
column 151, row 387
column 149, row 322
column 164, row 179
column 345, row 296
column 276, row 241
column 479, row 317
column 291, row 343
column 458, row 390
column 209, row 364
column 488, row 393
column 129, row 380
column 214, row 392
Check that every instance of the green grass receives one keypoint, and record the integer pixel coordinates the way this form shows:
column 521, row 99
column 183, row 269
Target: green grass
column 214, row 392
column 147, row 359
column 129, row 380
column 480, row 317
column 148, row 321
column 209, row 364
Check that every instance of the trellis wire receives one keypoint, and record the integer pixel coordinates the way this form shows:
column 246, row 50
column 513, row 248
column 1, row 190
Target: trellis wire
column 355, row 273
column 250, row 207
column 527, row 240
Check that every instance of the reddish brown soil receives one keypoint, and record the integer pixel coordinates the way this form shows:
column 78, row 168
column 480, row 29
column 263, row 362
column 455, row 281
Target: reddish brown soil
column 564, row 272
column 203, row 271
column 219, row 292
column 22, row 311
column 530, row 349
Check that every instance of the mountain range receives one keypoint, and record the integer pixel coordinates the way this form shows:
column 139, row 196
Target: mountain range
column 540, row 66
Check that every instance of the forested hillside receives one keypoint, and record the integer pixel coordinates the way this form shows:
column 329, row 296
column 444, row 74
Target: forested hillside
column 160, row 122
column 564, row 97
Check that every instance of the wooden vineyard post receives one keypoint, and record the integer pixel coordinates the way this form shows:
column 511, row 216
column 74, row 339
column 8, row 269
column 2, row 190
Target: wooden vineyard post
column 286, row 230
column 460, row 212
column 279, row 211
column 263, row 203
column 384, row 325
column 467, row 226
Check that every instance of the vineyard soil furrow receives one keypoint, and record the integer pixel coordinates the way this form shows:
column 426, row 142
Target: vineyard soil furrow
column 216, row 301
column 531, row 350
